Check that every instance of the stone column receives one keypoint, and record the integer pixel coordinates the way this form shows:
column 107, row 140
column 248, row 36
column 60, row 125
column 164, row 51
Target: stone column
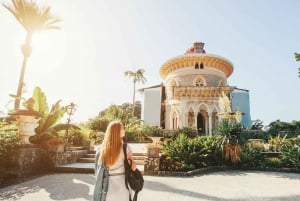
column 195, row 120
column 210, row 123
column 167, row 117
column 206, row 125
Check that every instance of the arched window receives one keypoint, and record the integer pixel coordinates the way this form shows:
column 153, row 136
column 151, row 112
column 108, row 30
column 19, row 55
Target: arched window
column 196, row 66
column 174, row 121
column 201, row 66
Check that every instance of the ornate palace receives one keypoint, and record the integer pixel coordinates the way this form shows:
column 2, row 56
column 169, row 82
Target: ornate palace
column 189, row 96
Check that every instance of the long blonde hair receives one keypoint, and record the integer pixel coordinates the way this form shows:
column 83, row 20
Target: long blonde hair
column 112, row 143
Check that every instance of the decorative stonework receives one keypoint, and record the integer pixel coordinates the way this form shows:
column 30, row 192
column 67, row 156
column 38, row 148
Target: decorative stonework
column 184, row 61
column 194, row 82
column 191, row 91
column 27, row 122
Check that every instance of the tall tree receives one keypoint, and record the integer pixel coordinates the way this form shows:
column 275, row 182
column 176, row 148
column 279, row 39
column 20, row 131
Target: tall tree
column 33, row 18
column 137, row 76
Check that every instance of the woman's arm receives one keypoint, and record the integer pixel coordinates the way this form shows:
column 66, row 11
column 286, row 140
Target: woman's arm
column 129, row 157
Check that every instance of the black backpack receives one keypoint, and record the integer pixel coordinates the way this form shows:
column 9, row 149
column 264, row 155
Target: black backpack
column 133, row 178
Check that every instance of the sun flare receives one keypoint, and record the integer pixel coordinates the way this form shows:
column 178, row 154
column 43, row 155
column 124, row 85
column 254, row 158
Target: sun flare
column 48, row 50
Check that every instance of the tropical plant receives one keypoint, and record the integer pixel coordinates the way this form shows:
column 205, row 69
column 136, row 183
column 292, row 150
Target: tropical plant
column 137, row 76
column 46, row 125
column 290, row 154
column 191, row 153
column 229, row 131
column 250, row 157
column 229, row 139
column 33, row 18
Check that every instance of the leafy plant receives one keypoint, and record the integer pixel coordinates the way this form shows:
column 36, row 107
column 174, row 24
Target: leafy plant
column 290, row 155
column 273, row 162
column 251, row 158
column 190, row 153
column 49, row 119
column 9, row 140
column 229, row 138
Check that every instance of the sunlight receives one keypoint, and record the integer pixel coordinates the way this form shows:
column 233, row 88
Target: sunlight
column 48, row 51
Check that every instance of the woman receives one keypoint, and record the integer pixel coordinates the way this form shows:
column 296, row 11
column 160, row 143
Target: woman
column 109, row 169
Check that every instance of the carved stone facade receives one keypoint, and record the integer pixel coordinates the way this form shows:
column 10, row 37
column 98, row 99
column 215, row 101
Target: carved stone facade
column 193, row 83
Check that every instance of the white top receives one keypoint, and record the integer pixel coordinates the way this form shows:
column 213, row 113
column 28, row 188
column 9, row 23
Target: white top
column 118, row 167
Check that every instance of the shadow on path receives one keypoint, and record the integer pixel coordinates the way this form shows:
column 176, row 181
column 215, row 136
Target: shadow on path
column 58, row 187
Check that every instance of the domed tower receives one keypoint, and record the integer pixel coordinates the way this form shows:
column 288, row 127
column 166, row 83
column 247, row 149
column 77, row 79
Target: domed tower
column 193, row 84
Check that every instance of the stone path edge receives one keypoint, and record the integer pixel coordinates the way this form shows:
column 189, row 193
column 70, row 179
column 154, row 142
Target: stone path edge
column 211, row 169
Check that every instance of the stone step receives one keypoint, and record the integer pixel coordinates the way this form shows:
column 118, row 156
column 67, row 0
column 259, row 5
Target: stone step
column 76, row 168
column 138, row 157
column 86, row 160
column 91, row 152
column 139, row 154
column 89, row 155
column 139, row 162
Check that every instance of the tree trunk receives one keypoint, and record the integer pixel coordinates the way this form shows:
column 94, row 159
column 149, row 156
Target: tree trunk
column 26, row 50
column 133, row 99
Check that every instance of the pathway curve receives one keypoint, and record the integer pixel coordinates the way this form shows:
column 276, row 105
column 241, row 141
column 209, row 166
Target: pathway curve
column 228, row 185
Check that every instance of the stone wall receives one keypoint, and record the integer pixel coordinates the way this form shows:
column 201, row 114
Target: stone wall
column 151, row 166
column 67, row 157
column 33, row 160
column 30, row 160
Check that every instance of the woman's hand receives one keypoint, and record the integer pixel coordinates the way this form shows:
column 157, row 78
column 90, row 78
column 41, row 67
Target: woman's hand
column 130, row 160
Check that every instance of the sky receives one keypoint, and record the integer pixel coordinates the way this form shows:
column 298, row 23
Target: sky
column 84, row 62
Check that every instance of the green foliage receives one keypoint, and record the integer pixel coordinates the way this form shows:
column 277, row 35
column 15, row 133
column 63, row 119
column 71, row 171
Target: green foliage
column 278, row 127
column 275, row 143
column 273, row 162
column 9, row 140
column 229, row 132
column 190, row 153
column 98, row 124
column 290, row 154
column 297, row 57
column 40, row 101
column 173, row 134
column 49, row 119
column 254, row 134
column 188, row 131
column 251, row 158
column 76, row 137
column 153, row 131
column 257, row 125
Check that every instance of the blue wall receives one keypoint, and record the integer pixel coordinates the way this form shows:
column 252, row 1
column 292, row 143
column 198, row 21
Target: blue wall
column 240, row 99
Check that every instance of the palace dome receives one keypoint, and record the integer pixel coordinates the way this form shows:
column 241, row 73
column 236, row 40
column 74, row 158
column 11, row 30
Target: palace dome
column 194, row 56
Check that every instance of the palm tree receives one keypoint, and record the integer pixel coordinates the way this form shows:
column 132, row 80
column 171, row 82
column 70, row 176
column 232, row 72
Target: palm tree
column 33, row 18
column 137, row 76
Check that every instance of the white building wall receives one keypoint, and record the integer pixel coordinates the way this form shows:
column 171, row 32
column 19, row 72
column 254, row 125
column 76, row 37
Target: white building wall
column 152, row 106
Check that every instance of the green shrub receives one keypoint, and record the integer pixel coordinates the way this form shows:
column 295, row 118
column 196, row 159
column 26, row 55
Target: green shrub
column 153, row 131
column 273, row 162
column 9, row 140
column 76, row 137
column 251, row 158
column 190, row 153
column 290, row 155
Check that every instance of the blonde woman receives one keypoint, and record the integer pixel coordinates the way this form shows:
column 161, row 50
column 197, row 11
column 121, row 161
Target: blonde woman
column 109, row 166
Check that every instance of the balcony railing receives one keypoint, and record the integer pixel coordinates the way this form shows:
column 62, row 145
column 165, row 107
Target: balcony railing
column 200, row 91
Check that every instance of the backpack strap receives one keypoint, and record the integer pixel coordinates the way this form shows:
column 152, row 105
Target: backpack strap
column 126, row 178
